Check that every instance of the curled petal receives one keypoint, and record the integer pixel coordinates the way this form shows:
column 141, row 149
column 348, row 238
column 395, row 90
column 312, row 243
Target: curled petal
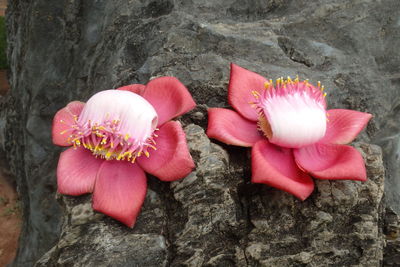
column 120, row 190
column 63, row 121
column 344, row 125
column 229, row 127
column 275, row 166
column 134, row 88
column 169, row 97
column 76, row 171
column 241, row 84
column 331, row 161
column 171, row 161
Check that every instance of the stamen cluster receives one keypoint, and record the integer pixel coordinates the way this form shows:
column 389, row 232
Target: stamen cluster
column 288, row 105
column 107, row 141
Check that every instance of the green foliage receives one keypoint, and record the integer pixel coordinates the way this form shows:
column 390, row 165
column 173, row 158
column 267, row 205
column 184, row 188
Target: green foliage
column 3, row 44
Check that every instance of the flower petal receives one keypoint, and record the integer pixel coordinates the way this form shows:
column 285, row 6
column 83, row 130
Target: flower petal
column 344, row 125
column 331, row 161
column 63, row 120
column 241, row 84
column 169, row 97
column 134, row 88
column 120, row 190
column 171, row 161
column 275, row 166
column 230, row 128
column 76, row 171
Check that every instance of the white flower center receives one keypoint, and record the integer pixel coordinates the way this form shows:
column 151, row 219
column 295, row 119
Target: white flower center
column 116, row 124
column 291, row 113
column 296, row 120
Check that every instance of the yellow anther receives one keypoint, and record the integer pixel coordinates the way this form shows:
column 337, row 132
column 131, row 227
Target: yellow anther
column 147, row 154
column 153, row 147
column 324, row 94
column 63, row 132
column 133, row 160
column 112, row 144
column 126, row 137
column 322, row 88
column 129, row 154
column 319, row 84
column 255, row 94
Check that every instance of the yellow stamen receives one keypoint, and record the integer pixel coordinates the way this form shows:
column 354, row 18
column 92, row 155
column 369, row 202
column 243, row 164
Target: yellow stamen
column 255, row 94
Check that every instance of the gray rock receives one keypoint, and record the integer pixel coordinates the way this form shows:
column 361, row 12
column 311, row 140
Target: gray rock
column 205, row 220
column 66, row 50
column 339, row 225
column 391, row 230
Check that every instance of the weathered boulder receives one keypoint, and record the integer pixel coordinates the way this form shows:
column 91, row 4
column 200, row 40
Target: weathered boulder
column 66, row 50
column 216, row 217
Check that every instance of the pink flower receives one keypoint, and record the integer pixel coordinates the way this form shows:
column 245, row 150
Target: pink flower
column 117, row 136
column 291, row 133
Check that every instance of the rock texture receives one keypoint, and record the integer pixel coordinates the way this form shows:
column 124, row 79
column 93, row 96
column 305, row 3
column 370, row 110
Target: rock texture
column 214, row 217
column 66, row 50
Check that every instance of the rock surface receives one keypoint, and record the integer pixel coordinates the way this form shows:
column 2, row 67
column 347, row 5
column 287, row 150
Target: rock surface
column 66, row 50
column 214, row 217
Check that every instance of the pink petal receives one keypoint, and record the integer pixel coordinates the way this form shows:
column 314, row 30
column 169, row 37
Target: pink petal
column 275, row 166
column 169, row 97
column 241, row 84
column 331, row 161
column 120, row 190
column 76, row 171
column 344, row 125
column 230, row 128
column 134, row 88
column 171, row 161
column 63, row 120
